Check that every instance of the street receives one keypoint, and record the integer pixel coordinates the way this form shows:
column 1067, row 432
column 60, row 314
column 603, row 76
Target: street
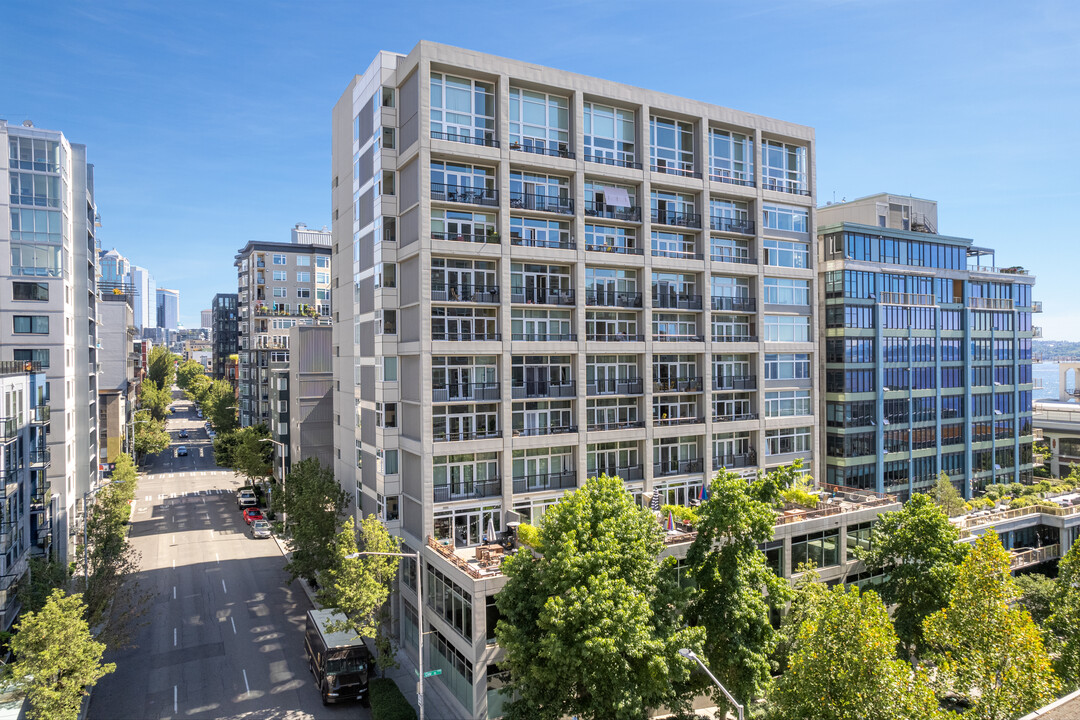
column 223, row 633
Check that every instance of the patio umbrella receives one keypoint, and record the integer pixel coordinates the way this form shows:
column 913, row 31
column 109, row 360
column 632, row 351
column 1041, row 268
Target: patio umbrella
column 670, row 521
column 704, row 492
column 655, row 504
column 491, row 529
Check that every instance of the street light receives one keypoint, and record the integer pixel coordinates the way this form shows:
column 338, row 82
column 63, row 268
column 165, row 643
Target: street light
column 419, row 618
column 284, row 513
column 690, row 655
column 86, row 521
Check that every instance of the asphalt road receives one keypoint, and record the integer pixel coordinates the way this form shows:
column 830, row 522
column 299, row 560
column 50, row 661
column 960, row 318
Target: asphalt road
column 223, row 633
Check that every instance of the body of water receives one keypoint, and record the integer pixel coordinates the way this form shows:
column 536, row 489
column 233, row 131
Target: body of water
column 1048, row 373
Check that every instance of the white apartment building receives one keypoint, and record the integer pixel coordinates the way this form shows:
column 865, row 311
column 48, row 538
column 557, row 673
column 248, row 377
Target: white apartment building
column 540, row 277
column 48, row 302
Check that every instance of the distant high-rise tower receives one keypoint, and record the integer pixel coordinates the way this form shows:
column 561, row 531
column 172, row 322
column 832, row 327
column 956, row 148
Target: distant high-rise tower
column 206, row 319
column 145, row 297
column 168, row 309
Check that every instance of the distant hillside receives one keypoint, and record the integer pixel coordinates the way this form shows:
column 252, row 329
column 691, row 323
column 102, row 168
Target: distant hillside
column 1054, row 350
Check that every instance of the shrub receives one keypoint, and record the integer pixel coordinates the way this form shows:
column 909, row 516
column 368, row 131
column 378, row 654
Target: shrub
column 681, row 514
column 528, row 535
column 387, row 702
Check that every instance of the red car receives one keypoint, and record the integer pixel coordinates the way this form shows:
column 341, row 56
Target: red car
column 253, row 514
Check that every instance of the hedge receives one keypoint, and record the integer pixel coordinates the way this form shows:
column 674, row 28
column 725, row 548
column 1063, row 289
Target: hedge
column 387, row 702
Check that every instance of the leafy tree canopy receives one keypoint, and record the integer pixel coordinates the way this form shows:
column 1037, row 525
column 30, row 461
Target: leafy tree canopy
column 153, row 398
column 149, row 434
column 161, row 366
column 948, row 497
column 359, row 587
column 188, row 371
column 314, row 505
column 1063, row 625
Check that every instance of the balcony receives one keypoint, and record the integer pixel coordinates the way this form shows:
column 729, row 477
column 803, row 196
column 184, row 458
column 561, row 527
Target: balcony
column 40, row 458
column 675, row 301
column 612, row 212
column 683, row 170
column 547, row 430
column 441, row 292
column 9, row 430
column 748, row 459
column 561, row 149
column 544, row 337
column 260, row 264
column 667, row 337
column 8, row 367
column 734, row 178
column 560, row 243
column 543, row 389
column 630, row 472
column 488, row 140
column 488, row 197
column 628, row 386
column 612, row 161
column 40, row 414
column 465, row 337
column 542, row 296
column 734, row 338
column 793, row 187
column 990, row 303
column 541, row 203
column 617, row 249
column 734, row 304
column 614, row 337
column 1036, row 331
column 678, row 467
column 734, row 417
column 678, row 254
column 612, row 298
column 463, row 435
column 726, row 257
column 492, row 487
column 734, row 382
column 466, row 392
column 678, row 385
column 551, row 481
column 487, row 237
column 742, row 226
column 670, row 217
column 677, row 420
column 618, row 425
column 1036, row 306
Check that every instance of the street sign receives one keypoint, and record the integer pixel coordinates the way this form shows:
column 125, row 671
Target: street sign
column 432, row 673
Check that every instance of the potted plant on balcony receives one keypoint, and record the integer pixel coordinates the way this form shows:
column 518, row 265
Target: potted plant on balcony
column 515, row 146
column 492, row 235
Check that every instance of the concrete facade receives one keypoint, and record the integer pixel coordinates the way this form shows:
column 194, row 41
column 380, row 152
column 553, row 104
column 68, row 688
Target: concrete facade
column 117, row 386
column 927, row 352
column 305, row 406
column 545, row 276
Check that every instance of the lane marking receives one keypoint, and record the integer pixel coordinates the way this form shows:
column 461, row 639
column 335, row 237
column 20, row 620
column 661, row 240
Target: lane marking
column 174, row 637
column 223, row 586
column 233, row 625
column 246, row 687
column 174, row 699
column 174, row 564
column 173, row 539
column 218, row 558
column 211, row 529
column 173, row 592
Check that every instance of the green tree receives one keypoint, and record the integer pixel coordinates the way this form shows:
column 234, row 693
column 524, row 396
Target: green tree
column 983, row 649
column 58, row 659
column 314, row 505
column 359, row 587
column 161, row 366
column 844, row 666
column 1063, row 625
column 245, row 452
column 153, row 398
column 736, row 588
column 1038, row 595
column 591, row 622
column 948, row 497
column 197, row 390
column 187, row 372
column 808, row 592
column 916, row 548
column 219, row 406
column 43, row 575
column 150, row 436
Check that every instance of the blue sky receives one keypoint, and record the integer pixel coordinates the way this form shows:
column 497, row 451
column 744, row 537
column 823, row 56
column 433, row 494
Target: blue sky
column 209, row 122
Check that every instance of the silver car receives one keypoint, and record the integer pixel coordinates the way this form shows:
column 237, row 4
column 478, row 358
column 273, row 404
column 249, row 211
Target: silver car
column 260, row 529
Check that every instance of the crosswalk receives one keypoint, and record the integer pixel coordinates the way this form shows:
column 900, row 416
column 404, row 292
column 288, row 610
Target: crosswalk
column 192, row 473
column 190, row 493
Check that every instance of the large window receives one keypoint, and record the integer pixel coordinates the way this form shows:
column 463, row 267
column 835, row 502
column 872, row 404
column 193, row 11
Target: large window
column 34, row 154
column 449, row 601
column 785, row 291
column 781, row 253
column 31, row 355
column 37, row 260
column 671, row 145
column 820, row 548
column 37, row 190
column 787, row 328
column 731, row 157
column 787, row 403
column 539, row 122
column 29, row 291
column 463, row 226
column 36, row 226
column 782, row 217
column 462, row 109
column 787, row 366
column 30, row 324
column 781, row 441
column 609, row 135
column 457, row 675
column 784, row 167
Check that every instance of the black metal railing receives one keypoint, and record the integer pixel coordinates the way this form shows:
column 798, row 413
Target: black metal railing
column 491, row 237
column 678, row 420
column 630, row 472
column 612, row 212
column 733, row 258
column 670, row 217
column 559, row 243
column 676, row 301
column 11, row 367
column 463, row 194
column 734, row 304
column 743, row 226
column 612, row 298
column 734, row 382
column 616, row 425
column 561, row 150
column 615, row 386
column 545, row 337
column 733, row 338
column 550, row 481
column 785, row 186
column 543, row 389
column 464, row 337
column 492, row 487
column 548, row 430
column 9, row 429
column 679, row 254
column 672, row 170
column 677, row 467
column 462, row 435
column 725, row 178
column 612, row 161
column 734, row 416
column 617, row 249
column 684, row 384
column 544, row 203
column 465, row 391
column 614, row 337
column 488, row 140
column 742, row 460
column 40, row 414
column 463, row 292
column 668, row 337
column 542, row 296
column 40, row 458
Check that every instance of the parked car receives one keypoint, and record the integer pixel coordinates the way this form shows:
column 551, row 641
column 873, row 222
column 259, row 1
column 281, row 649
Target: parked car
column 211, row 434
column 260, row 529
column 199, row 413
column 183, row 435
column 181, row 451
column 245, row 498
column 252, row 514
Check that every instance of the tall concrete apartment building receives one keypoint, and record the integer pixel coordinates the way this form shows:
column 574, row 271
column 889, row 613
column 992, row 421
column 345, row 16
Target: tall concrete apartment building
column 540, row 277
column 145, row 297
column 280, row 285
column 168, row 309
column 48, row 304
column 117, row 379
column 223, row 331
column 302, row 407
column 927, row 352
